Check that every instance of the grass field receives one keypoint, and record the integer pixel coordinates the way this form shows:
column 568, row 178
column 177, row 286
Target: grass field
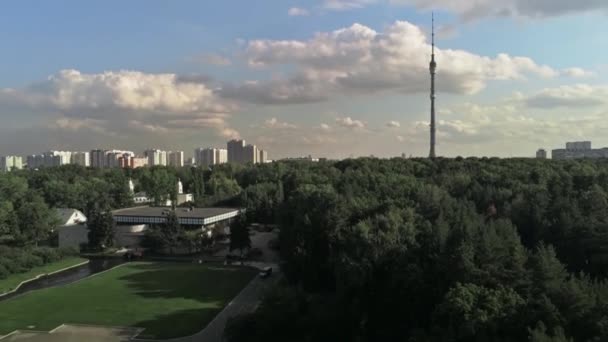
column 14, row 280
column 167, row 299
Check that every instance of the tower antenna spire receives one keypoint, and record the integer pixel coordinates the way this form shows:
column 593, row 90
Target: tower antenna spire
column 432, row 69
column 433, row 32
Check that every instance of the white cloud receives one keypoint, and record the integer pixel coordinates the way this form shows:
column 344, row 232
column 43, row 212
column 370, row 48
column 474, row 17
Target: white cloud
column 577, row 73
column 122, row 101
column 400, row 138
column 343, row 5
column 359, row 60
column 298, row 12
column 276, row 124
column 75, row 124
column 469, row 10
column 348, row 122
column 574, row 96
column 325, row 127
column 393, row 124
column 146, row 127
column 71, row 90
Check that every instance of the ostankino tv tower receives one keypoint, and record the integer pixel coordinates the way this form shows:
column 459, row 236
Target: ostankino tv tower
column 432, row 68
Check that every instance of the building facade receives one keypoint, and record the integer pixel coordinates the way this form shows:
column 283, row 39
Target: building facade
column 251, row 154
column 263, row 159
column 81, row 158
column 210, row 156
column 156, row 157
column 579, row 150
column 236, row 151
column 176, row 158
column 541, row 154
column 8, row 163
column 98, row 158
column 139, row 162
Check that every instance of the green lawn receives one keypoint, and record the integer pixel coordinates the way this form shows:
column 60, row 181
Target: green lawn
column 14, row 280
column 167, row 299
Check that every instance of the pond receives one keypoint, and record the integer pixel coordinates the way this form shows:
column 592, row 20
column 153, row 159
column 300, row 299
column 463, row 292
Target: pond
column 66, row 277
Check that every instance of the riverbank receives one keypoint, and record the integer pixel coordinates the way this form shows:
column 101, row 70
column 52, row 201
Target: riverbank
column 14, row 281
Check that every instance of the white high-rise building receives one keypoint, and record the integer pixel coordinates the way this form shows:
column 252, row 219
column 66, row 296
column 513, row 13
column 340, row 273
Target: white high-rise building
column 236, row 149
column 81, row 158
column 263, row 159
column 156, row 157
column 113, row 157
column 109, row 158
column 176, row 158
column 210, row 156
column 57, row 158
column 251, row 154
column 35, row 161
column 98, row 158
column 578, row 146
column 541, row 154
column 221, row 156
column 8, row 163
column 579, row 150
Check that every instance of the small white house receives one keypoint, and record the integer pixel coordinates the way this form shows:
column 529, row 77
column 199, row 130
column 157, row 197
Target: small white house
column 72, row 229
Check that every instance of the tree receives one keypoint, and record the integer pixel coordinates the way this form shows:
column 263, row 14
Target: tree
column 167, row 236
column 539, row 334
column 472, row 310
column 8, row 219
column 239, row 234
column 173, row 232
column 36, row 220
column 198, row 184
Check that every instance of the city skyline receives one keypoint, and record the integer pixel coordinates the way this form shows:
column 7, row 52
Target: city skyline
column 236, row 151
column 332, row 78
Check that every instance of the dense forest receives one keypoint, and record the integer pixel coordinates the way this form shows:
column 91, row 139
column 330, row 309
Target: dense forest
column 443, row 250
column 386, row 250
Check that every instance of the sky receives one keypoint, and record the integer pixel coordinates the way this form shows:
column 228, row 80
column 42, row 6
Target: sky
column 328, row 78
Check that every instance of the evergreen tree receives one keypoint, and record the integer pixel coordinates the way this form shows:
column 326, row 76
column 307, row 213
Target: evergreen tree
column 239, row 234
column 101, row 229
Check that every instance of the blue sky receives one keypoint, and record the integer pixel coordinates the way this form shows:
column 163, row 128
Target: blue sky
column 185, row 74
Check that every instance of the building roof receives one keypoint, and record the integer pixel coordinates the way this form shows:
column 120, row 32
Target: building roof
column 187, row 216
column 65, row 216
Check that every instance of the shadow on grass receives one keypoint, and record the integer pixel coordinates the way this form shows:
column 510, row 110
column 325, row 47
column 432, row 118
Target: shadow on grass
column 207, row 289
column 177, row 324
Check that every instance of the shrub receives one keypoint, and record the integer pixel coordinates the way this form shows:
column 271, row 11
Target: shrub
column 4, row 273
column 68, row 251
column 11, row 265
column 30, row 261
column 47, row 254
